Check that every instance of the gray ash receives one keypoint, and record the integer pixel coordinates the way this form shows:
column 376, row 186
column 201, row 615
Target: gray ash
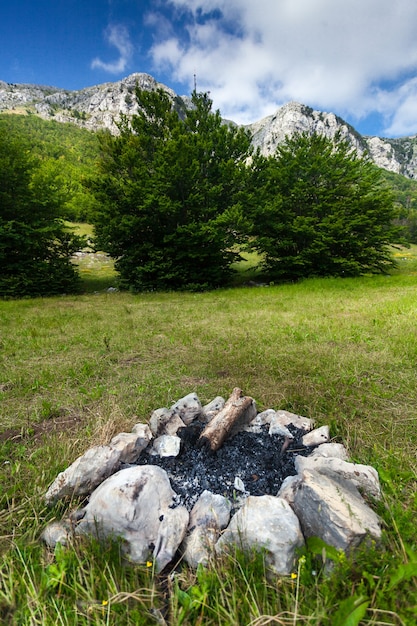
column 260, row 460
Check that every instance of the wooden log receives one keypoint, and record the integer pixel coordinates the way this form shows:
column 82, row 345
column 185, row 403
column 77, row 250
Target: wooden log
column 237, row 411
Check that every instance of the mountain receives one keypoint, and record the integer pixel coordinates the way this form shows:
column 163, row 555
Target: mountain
column 100, row 107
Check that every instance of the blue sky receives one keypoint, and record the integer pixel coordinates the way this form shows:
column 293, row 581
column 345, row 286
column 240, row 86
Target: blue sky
column 355, row 58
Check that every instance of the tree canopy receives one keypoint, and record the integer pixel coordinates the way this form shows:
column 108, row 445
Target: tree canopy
column 170, row 193
column 324, row 211
column 35, row 246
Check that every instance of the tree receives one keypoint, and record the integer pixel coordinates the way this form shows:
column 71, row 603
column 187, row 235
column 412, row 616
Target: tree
column 170, row 193
column 325, row 211
column 35, row 246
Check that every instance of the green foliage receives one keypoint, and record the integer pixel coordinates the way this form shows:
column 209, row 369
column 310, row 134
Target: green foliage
column 169, row 195
column 66, row 152
column 35, row 246
column 405, row 193
column 325, row 211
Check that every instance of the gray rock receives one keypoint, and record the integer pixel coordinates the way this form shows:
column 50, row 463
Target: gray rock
column 166, row 445
column 265, row 417
column 135, row 505
column 334, row 510
column 288, row 488
column 331, row 450
column 88, row 471
column 212, row 408
column 364, row 477
column 209, row 515
column 188, row 408
column 317, row 436
column 165, row 422
column 275, row 428
column 285, row 418
column 143, row 431
column 130, row 445
column 266, row 522
column 56, row 532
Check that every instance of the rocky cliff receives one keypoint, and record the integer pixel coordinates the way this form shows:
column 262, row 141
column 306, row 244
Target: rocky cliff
column 100, row 107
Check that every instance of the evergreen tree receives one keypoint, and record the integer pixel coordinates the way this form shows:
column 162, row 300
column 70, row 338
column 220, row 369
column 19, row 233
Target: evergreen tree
column 35, row 246
column 170, row 192
column 324, row 212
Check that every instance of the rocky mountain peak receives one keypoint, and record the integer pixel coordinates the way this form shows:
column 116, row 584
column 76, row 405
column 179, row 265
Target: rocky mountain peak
column 101, row 106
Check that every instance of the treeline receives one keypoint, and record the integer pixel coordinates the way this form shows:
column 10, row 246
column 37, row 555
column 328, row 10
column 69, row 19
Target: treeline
column 175, row 200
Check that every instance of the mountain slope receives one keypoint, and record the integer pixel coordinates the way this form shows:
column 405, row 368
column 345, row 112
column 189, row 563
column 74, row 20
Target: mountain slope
column 100, row 106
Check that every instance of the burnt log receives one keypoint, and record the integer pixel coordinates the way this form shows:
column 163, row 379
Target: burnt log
column 238, row 411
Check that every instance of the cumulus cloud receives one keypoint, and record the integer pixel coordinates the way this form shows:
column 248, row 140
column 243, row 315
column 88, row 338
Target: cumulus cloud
column 116, row 35
column 348, row 57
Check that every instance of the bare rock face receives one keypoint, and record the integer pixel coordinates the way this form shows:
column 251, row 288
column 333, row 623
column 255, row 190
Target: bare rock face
column 101, row 106
column 334, row 510
column 135, row 504
column 88, row 471
column 209, row 515
column 266, row 522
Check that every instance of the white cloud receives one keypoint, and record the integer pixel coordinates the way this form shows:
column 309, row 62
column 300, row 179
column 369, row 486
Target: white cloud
column 347, row 56
column 116, row 35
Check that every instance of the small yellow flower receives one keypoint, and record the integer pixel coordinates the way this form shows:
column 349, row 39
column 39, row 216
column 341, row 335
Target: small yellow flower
column 149, row 563
column 293, row 575
column 105, row 603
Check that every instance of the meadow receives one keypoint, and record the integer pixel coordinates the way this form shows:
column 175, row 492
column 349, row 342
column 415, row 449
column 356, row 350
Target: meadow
column 75, row 370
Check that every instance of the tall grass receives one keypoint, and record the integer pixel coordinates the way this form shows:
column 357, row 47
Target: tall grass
column 76, row 370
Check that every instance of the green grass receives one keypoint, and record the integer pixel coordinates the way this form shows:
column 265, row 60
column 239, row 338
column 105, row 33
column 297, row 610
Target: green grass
column 76, row 370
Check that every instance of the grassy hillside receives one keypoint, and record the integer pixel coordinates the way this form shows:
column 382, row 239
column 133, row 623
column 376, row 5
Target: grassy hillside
column 76, row 370
column 67, row 151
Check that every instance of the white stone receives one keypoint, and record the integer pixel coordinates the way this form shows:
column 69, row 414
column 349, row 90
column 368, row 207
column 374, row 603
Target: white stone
column 364, row 477
column 212, row 408
column 135, row 504
column 88, row 471
column 266, row 522
column 317, row 436
column 158, row 420
column 130, row 445
column 275, row 428
column 56, row 532
column 285, row 418
column 331, row 450
column 166, row 445
column 288, row 488
column 333, row 510
column 143, row 431
column 209, row 516
column 263, row 418
column 239, row 484
column 188, row 408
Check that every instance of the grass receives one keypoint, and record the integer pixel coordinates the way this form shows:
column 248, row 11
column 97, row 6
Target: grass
column 76, row 370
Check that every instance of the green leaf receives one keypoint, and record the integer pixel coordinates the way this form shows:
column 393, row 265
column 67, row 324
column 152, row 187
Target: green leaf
column 403, row 572
column 350, row 611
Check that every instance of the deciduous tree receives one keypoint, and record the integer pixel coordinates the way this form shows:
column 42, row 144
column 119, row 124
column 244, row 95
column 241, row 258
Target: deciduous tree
column 325, row 211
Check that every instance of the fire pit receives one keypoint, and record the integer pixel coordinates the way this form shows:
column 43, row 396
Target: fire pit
column 196, row 480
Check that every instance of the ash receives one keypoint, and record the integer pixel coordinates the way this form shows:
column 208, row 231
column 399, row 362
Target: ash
column 259, row 460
